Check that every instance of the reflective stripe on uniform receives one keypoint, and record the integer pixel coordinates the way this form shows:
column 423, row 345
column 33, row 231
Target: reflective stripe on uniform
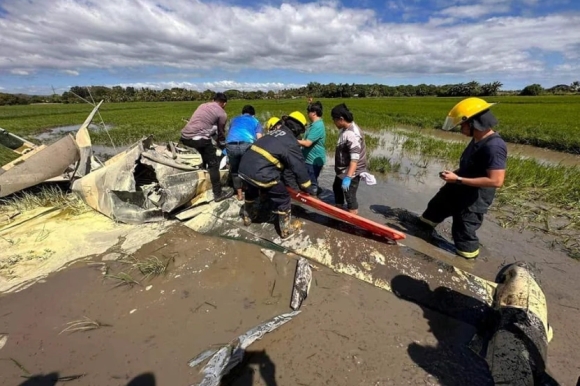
column 262, row 184
column 306, row 184
column 267, row 155
column 467, row 255
column 429, row 222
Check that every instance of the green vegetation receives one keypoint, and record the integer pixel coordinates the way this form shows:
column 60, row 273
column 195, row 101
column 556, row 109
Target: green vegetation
column 7, row 155
column 547, row 121
column 44, row 196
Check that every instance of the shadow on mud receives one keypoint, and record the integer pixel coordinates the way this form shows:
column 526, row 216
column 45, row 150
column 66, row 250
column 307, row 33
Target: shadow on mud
column 245, row 374
column 409, row 223
column 145, row 379
column 462, row 327
column 450, row 360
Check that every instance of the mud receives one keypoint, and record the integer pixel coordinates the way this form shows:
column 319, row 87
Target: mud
column 55, row 133
column 348, row 333
column 524, row 151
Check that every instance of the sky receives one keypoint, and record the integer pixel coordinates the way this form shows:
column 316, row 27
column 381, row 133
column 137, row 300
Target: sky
column 270, row 45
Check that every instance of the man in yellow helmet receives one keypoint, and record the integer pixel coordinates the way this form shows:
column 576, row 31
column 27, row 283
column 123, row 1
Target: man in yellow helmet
column 269, row 165
column 272, row 124
column 469, row 190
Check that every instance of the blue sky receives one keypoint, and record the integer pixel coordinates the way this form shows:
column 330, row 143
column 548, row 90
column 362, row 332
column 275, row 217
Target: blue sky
column 267, row 45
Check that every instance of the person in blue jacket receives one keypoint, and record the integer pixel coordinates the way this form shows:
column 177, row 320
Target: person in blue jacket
column 244, row 130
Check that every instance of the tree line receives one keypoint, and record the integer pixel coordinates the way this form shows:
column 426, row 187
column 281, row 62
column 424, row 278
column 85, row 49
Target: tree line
column 76, row 94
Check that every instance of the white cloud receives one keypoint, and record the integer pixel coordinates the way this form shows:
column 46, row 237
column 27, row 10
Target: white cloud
column 222, row 85
column 19, row 71
column 193, row 36
column 70, row 72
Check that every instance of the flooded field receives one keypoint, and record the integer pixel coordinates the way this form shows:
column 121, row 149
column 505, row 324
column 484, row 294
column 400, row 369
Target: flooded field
column 145, row 300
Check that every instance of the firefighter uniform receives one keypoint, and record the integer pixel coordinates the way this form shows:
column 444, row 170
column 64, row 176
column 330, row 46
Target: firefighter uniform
column 269, row 165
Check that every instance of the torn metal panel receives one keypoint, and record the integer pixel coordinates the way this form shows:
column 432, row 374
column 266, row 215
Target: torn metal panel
column 302, row 281
column 83, row 139
column 39, row 165
column 15, row 143
column 144, row 183
column 229, row 356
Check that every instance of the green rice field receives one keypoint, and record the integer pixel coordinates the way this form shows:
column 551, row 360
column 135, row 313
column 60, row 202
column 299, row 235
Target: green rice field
column 551, row 122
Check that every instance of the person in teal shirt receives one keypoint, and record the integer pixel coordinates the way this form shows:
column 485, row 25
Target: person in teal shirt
column 313, row 144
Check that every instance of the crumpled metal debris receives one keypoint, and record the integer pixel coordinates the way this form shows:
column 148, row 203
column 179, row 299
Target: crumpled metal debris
column 145, row 182
column 224, row 359
column 302, row 281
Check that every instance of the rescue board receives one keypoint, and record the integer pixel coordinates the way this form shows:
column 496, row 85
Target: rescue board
column 353, row 219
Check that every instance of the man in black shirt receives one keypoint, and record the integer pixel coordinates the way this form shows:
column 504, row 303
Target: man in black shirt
column 469, row 190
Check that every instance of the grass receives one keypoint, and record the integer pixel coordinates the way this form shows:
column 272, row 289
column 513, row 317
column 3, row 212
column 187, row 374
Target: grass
column 44, row 196
column 122, row 279
column 546, row 121
column 84, row 324
column 7, row 155
column 152, row 266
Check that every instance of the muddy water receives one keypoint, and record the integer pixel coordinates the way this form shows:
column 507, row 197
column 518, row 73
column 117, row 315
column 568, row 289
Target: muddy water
column 348, row 333
column 523, row 151
column 51, row 135
column 557, row 272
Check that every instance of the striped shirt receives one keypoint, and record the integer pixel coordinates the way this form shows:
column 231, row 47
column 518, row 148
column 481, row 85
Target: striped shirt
column 350, row 147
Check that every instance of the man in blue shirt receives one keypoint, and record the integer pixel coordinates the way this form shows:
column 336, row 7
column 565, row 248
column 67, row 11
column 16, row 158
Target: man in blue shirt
column 313, row 144
column 244, row 130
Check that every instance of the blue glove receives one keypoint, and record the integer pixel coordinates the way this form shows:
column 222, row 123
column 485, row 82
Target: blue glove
column 346, row 183
column 224, row 152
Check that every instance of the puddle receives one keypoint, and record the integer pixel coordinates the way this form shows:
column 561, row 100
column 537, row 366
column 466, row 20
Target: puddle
column 50, row 135
column 545, row 156
column 103, row 152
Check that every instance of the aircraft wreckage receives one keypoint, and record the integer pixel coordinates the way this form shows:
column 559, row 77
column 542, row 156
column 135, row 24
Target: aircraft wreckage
column 150, row 182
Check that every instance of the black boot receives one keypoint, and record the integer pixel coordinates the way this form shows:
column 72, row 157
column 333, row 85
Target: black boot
column 284, row 221
column 224, row 194
column 249, row 212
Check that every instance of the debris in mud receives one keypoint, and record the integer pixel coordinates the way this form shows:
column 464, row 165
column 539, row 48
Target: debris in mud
column 302, row 281
column 224, row 359
column 3, row 340
column 268, row 253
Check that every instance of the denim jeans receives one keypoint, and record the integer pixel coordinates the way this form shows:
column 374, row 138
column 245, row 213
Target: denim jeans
column 313, row 173
column 235, row 152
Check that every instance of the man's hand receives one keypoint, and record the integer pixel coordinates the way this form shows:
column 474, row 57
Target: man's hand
column 311, row 190
column 346, row 183
column 448, row 176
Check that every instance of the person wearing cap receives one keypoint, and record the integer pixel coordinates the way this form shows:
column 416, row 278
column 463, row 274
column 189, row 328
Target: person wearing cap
column 313, row 144
column 272, row 124
column 263, row 165
column 197, row 134
column 469, row 191
column 350, row 159
column 244, row 130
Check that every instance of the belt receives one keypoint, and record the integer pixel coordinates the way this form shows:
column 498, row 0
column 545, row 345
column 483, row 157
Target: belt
column 238, row 143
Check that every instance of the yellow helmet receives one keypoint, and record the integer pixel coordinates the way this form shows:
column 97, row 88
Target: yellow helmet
column 271, row 123
column 298, row 116
column 464, row 110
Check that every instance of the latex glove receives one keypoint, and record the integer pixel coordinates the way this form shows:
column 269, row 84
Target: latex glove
column 346, row 183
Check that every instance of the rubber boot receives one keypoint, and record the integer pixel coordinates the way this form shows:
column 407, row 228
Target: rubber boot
column 285, row 223
column 248, row 213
